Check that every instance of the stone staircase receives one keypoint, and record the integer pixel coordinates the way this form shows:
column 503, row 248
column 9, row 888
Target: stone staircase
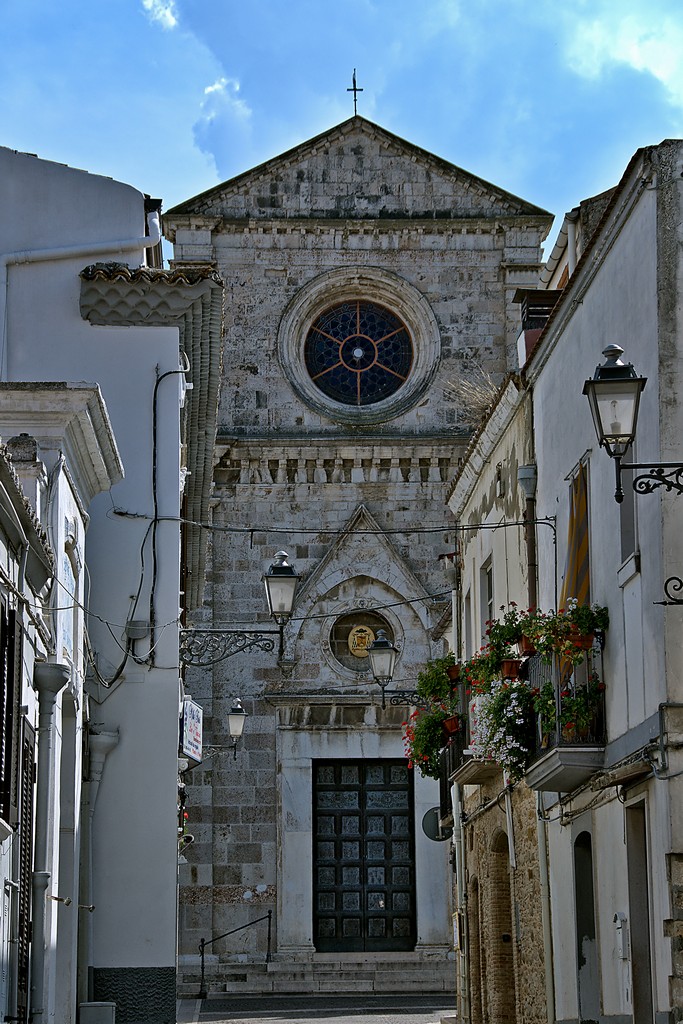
column 325, row 973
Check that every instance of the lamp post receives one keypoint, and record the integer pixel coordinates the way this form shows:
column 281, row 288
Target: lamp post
column 206, row 647
column 382, row 654
column 613, row 394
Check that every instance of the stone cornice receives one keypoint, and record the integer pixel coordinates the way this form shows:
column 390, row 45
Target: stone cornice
column 370, row 225
column 42, row 565
column 70, row 418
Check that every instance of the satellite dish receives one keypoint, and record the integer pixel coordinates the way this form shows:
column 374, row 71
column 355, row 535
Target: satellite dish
column 432, row 829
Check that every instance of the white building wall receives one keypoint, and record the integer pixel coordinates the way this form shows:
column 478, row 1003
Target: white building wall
column 618, row 296
column 48, row 207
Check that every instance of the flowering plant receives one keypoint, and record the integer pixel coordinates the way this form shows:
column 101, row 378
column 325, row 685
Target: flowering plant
column 423, row 732
column 579, row 706
column 505, row 726
column 423, row 738
column 561, row 633
column 502, row 634
column 433, row 681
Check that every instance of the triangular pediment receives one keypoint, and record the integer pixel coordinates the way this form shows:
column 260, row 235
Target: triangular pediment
column 364, row 550
column 356, row 170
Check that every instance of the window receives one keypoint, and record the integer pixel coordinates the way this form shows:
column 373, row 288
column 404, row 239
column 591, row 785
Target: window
column 9, row 711
column 627, row 516
column 358, row 353
column 486, row 594
column 468, row 625
column 359, row 344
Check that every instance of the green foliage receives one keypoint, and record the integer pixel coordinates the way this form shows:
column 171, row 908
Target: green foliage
column 423, row 733
column 433, row 681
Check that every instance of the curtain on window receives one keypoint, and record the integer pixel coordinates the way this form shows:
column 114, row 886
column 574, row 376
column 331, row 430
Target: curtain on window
column 577, row 567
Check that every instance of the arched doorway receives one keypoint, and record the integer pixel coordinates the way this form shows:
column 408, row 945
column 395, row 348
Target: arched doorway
column 500, row 966
column 477, row 954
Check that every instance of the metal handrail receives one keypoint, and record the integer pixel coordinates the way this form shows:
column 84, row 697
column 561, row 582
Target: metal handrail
column 203, row 943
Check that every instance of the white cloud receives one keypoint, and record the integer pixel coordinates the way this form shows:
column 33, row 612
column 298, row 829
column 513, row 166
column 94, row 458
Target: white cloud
column 222, row 95
column 636, row 37
column 162, row 11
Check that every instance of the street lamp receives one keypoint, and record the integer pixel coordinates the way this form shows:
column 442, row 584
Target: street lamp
column 382, row 654
column 206, row 647
column 613, row 395
column 236, row 717
column 281, row 582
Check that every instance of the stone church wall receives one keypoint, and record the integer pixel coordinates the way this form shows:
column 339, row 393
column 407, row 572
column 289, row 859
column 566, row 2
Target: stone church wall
column 356, row 495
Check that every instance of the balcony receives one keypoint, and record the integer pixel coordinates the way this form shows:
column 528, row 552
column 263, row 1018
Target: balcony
column 565, row 741
column 570, row 739
column 460, row 764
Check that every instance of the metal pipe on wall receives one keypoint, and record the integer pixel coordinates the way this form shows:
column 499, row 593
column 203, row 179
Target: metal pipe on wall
column 49, row 679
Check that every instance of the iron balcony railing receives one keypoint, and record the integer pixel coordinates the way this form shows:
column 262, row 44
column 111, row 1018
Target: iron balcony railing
column 578, row 694
column 450, row 759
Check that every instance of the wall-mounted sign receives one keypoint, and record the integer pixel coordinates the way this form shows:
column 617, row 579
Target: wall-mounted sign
column 191, row 733
column 431, row 826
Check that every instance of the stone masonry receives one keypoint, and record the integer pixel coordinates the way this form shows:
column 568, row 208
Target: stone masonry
column 356, row 495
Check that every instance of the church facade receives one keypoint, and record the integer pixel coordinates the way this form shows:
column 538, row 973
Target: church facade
column 364, row 278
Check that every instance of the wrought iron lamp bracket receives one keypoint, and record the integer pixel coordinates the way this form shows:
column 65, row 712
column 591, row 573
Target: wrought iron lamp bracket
column 673, row 585
column 206, row 647
column 653, row 475
column 398, row 698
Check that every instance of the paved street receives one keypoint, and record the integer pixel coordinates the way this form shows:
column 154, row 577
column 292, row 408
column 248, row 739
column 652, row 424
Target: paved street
column 305, row 1009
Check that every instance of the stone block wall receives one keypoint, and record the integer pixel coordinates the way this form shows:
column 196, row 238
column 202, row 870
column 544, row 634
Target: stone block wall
column 507, row 973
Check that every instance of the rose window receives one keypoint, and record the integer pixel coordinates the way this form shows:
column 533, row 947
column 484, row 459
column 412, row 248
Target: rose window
column 358, row 353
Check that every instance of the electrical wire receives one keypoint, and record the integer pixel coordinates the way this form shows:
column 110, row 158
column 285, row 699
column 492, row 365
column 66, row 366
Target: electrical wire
column 308, row 532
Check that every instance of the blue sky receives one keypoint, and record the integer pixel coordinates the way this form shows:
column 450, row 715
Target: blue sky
column 547, row 100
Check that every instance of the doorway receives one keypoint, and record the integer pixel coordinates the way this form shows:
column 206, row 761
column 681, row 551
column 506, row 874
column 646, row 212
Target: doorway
column 639, row 912
column 363, row 856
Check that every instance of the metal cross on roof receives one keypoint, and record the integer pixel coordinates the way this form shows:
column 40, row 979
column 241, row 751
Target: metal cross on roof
column 355, row 90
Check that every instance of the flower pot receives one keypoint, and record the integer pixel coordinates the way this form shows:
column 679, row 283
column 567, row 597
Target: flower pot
column 453, row 673
column 584, row 641
column 450, row 726
column 509, row 668
column 525, row 646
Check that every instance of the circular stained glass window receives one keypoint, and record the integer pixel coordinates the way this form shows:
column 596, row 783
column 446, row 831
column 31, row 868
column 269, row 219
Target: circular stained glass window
column 358, row 353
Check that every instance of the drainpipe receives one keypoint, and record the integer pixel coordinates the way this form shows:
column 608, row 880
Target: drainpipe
column 49, row 679
column 526, row 477
column 459, row 855
column 67, row 252
column 100, row 744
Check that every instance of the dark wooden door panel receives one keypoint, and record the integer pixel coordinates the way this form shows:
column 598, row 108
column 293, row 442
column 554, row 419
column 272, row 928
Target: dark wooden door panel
column 363, row 856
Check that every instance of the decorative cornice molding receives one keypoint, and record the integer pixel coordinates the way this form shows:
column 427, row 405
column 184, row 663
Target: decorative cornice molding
column 482, row 445
column 71, row 418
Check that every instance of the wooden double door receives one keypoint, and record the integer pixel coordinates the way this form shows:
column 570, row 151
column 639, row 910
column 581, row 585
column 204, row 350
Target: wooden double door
column 363, row 856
